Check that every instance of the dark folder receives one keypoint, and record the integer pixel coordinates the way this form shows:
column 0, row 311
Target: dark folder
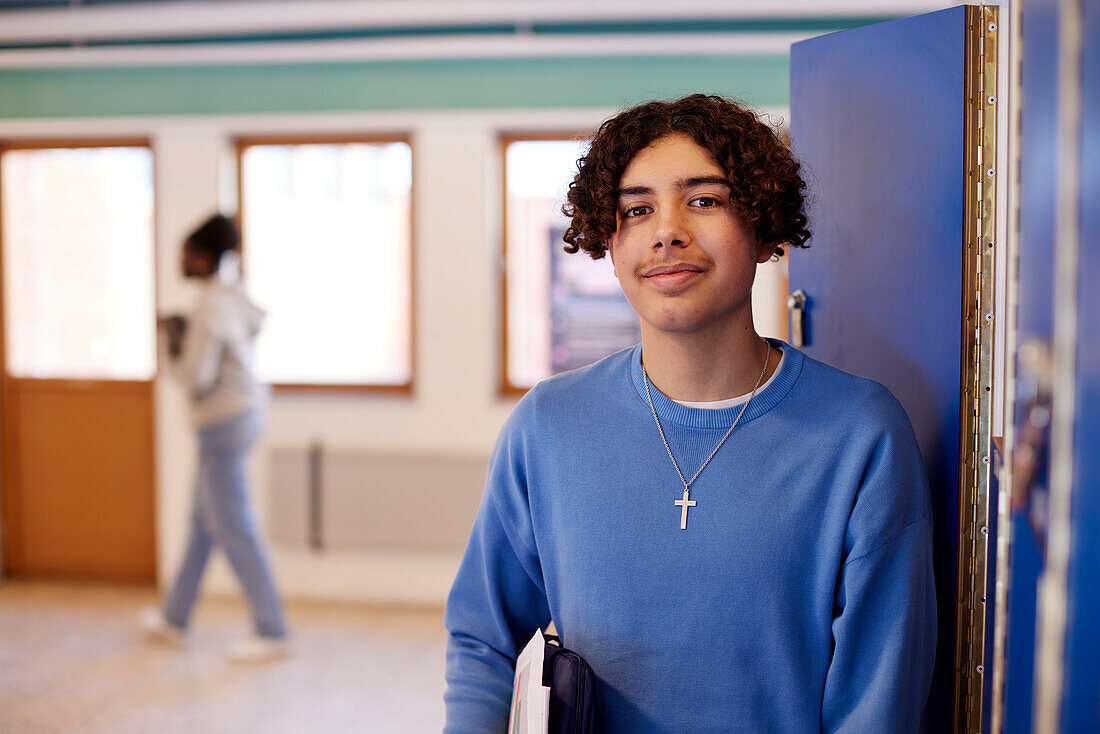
column 572, row 690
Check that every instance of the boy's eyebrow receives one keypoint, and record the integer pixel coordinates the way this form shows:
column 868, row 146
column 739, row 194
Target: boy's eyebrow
column 689, row 183
column 684, row 183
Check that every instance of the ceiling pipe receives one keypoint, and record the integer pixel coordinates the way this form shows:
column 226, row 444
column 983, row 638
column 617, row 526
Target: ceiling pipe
column 209, row 19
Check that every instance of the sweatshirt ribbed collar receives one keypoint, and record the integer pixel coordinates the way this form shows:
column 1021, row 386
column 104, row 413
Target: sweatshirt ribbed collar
column 672, row 412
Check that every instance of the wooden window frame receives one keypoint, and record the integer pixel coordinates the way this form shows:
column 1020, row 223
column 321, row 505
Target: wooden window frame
column 241, row 144
column 506, row 387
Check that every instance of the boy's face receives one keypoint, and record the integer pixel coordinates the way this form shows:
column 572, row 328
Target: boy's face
column 683, row 257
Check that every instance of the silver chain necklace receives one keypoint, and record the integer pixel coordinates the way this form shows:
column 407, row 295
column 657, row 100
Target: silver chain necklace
column 685, row 503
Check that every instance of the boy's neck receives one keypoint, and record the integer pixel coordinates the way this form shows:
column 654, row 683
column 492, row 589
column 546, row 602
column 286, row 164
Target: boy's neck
column 706, row 367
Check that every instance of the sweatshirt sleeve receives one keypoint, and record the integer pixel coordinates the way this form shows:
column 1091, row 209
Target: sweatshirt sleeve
column 884, row 615
column 200, row 357
column 498, row 599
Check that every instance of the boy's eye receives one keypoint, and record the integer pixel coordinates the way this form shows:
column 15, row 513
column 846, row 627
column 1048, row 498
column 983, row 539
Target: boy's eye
column 706, row 202
column 636, row 211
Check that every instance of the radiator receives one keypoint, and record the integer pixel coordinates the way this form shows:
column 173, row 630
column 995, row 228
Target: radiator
column 343, row 500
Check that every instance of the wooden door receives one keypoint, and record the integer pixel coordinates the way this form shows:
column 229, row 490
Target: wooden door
column 76, row 228
column 886, row 119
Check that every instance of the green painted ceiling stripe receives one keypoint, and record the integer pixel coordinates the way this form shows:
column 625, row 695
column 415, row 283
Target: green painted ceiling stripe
column 391, row 85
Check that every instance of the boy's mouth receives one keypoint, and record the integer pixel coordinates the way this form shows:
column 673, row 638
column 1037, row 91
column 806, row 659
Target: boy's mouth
column 672, row 277
column 672, row 269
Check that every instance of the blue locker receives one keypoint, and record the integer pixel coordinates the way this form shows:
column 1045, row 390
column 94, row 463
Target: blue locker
column 1081, row 712
column 878, row 118
column 1038, row 182
column 1078, row 709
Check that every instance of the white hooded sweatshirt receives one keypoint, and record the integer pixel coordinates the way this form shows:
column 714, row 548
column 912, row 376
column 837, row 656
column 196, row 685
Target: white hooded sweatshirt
column 216, row 359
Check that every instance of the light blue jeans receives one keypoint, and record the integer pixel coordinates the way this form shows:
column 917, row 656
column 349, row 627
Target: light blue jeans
column 221, row 517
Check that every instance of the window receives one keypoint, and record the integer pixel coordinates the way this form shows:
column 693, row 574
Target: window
column 78, row 261
column 326, row 228
column 561, row 311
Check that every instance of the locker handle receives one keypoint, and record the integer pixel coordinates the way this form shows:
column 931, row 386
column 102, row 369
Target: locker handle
column 798, row 304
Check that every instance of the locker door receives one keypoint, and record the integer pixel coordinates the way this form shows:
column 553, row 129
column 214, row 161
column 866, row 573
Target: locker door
column 1034, row 328
column 899, row 274
column 1066, row 694
column 1080, row 700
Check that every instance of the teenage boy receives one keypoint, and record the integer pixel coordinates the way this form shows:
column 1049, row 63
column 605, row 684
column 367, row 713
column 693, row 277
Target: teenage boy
column 735, row 536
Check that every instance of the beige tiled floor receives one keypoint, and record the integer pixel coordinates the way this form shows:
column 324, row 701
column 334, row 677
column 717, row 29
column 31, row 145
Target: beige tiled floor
column 72, row 660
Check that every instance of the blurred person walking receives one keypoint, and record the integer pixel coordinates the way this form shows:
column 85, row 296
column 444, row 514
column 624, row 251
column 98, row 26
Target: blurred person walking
column 211, row 352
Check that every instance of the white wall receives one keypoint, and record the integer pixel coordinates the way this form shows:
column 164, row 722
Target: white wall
column 455, row 409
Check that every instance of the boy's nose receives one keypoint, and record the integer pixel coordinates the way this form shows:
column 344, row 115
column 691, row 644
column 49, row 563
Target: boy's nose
column 671, row 229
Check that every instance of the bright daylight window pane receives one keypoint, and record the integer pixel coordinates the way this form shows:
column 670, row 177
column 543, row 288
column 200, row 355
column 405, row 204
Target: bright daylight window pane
column 564, row 311
column 78, row 262
column 327, row 255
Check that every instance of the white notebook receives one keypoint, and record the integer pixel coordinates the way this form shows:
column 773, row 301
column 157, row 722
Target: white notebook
column 530, row 698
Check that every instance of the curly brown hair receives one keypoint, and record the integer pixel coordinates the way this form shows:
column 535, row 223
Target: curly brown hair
column 765, row 184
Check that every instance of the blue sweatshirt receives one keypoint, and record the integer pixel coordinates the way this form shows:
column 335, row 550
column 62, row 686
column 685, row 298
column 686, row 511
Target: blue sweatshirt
column 799, row 598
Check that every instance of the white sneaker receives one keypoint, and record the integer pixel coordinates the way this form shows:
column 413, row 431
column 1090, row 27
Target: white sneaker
column 159, row 629
column 257, row 649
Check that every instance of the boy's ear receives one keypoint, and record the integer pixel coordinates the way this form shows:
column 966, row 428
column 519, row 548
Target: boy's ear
column 765, row 252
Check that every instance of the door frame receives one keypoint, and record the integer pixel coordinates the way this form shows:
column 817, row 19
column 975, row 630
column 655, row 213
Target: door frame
column 11, row 530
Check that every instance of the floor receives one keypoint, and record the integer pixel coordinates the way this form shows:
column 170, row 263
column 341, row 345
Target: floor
column 73, row 661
